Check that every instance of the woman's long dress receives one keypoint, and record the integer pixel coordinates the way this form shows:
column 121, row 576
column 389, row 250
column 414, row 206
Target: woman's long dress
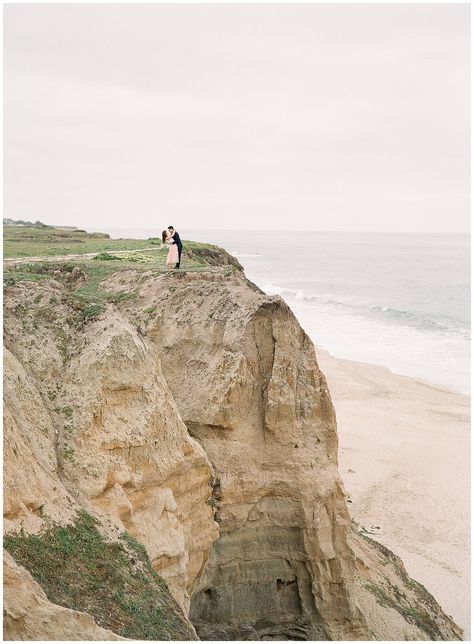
column 172, row 257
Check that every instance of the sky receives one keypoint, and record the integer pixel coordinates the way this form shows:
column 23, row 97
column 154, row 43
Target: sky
column 238, row 116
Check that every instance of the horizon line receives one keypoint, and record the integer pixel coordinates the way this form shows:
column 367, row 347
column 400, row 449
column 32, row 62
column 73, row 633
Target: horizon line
column 302, row 230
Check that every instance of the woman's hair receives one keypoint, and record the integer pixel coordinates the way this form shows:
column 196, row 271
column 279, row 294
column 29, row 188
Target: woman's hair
column 163, row 236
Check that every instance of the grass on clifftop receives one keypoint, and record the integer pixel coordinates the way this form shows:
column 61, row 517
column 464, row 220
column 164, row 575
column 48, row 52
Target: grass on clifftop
column 50, row 241
column 111, row 581
column 87, row 295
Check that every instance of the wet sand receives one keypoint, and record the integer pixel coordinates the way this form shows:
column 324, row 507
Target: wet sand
column 404, row 457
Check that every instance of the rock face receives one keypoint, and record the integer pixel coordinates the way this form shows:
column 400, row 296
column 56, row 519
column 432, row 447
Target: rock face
column 133, row 457
column 247, row 384
column 101, row 430
column 195, row 417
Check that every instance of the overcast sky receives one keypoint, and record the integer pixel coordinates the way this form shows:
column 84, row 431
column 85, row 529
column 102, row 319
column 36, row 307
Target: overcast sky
column 309, row 116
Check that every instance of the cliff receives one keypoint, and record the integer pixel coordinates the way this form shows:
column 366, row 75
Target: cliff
column 184, row 438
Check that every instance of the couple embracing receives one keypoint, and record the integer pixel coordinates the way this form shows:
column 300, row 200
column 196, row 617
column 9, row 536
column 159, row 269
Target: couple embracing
column 170, row 237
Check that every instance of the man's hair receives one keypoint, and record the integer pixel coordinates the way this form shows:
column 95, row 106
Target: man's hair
column 170, row 227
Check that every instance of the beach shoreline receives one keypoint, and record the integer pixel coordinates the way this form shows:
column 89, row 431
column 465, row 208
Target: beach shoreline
column 404, row 458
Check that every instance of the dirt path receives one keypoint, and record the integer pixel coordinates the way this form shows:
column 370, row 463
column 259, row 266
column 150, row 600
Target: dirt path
column 61, row 258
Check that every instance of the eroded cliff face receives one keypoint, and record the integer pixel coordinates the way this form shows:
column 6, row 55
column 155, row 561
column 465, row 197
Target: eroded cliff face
column 195, row 417
column 247, row 384
column 133, row 457
column 100, row 430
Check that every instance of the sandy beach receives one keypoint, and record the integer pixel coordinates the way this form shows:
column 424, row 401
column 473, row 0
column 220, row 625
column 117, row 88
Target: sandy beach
column 404, row 456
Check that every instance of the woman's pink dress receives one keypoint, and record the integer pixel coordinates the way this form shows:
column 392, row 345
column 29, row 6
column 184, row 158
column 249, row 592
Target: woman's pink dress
column 172, row 257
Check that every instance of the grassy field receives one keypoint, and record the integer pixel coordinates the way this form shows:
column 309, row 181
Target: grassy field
column 50, row 241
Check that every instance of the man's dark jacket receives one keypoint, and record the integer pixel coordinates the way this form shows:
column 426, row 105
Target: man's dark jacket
column 177, row 240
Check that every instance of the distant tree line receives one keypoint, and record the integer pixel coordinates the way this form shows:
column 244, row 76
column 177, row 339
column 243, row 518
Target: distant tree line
column 21, row 222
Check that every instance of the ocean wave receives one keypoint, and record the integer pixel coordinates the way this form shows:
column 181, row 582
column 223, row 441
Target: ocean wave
column 387, row 313
column 417, row 319
column 325, row 298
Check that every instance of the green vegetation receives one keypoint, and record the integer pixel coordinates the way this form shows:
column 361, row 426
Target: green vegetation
column 388, row 554
column 423, row 620
column 210, row 255
column 63, row 344
column 421, row 592
column 49, row 241
column 68, row 453
column 112, row 581
column 68, row 411
column 417, row 586
column 134, row 257
column 12, row 276
column 90, row 298
column 379, row 593
column 420, row 618
column 92, row 310
column 21, row 222
column 103, row 256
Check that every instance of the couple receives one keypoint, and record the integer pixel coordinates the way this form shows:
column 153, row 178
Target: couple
column 172, row 239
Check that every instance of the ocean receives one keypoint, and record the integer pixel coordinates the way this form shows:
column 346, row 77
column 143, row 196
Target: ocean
column 399, row 300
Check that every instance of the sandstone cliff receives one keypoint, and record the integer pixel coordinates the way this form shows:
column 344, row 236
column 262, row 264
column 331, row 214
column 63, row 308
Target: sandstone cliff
column 194, row 418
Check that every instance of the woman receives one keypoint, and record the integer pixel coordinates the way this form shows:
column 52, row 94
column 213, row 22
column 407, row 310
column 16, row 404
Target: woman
column 172, row 257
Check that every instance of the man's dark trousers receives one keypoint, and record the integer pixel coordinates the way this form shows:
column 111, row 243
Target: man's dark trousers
column 177, row 241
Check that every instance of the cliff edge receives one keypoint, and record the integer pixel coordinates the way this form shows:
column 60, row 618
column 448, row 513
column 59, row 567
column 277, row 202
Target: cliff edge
column 181, row 443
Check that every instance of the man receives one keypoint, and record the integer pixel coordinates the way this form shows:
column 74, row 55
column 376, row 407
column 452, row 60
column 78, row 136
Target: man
column 176, row 239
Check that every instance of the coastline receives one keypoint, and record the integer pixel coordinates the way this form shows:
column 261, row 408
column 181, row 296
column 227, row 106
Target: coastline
column 404, row 458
